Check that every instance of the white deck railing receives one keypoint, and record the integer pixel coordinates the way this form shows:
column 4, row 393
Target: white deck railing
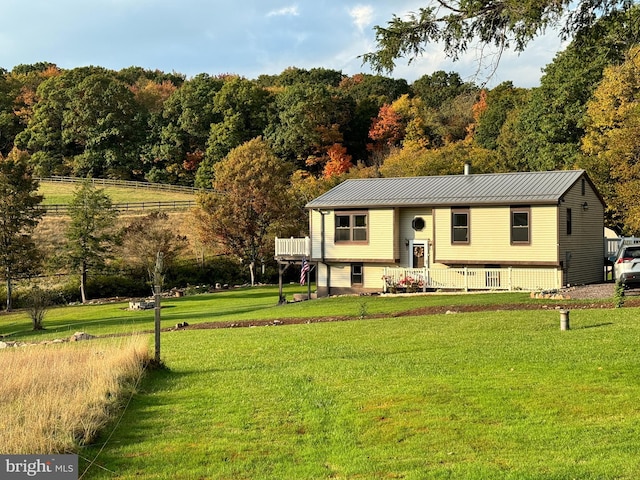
column 293, row 247
column 468, row 278
column 613, row 244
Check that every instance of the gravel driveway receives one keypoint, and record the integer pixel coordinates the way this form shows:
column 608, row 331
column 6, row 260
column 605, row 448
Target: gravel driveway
column 597, row 291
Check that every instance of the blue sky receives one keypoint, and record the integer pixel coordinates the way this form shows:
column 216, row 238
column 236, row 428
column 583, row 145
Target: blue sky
column 245, row 37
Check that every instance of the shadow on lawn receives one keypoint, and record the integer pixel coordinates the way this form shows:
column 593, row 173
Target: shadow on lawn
column 129, row 321
column 239, row 293
column 597, row 325
column 139, row 422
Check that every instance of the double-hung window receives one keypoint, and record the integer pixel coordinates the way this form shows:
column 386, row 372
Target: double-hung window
column 520, row 225
column 351, row 227
column 460, row 225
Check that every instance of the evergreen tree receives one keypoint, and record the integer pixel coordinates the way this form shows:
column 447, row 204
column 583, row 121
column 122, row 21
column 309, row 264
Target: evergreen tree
column 89, row 234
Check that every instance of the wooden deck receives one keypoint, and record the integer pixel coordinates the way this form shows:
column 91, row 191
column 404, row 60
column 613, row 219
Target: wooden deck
column 292, row 248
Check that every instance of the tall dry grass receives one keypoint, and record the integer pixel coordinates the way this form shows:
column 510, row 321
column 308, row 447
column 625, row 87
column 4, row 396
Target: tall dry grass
column 56, row 397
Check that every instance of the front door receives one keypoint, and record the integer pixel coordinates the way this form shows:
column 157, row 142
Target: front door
column 418, row 254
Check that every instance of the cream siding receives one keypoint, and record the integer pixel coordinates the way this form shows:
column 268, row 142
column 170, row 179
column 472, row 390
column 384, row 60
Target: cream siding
column 315, row 229
column 582, row 252
column 408, row 234
column 341, row 276
column 490, row 237
column 381, row 244
column 568, row 259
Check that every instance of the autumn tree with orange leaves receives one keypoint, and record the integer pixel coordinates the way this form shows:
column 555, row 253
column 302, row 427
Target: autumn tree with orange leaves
column 387, row 129
column 339, row 161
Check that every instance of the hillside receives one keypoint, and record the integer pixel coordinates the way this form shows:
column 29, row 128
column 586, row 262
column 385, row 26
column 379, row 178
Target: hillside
column 60, row 192
column 134, row 199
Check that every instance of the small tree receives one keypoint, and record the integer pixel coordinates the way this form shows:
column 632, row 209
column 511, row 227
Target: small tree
column 147, row 236
column 89, row 234
column 37, row 306
column 254, row 204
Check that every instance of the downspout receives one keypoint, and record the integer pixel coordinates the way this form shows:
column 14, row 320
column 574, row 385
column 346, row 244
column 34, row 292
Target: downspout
column 322, row 249
column 321, row 236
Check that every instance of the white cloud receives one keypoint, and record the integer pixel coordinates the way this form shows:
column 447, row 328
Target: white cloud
column 362, row 16
column 291, row 11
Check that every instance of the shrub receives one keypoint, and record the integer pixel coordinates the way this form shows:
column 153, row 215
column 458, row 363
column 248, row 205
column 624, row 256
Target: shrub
column 38, row 304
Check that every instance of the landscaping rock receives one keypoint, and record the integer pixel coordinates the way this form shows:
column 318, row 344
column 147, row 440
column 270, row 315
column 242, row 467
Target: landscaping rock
column 79, row 336
column 142, row 305
column 3, row 345
column 301, row 297
column 552, row 295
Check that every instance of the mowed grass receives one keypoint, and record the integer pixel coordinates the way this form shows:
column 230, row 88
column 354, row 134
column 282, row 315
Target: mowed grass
column 502, row 395
column 505, row 395
column 116, row 318
column 498, row 394
column 235, row 305
column 61, row 193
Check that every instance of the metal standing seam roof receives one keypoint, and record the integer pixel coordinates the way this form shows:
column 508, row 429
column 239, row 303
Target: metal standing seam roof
column 473, row 189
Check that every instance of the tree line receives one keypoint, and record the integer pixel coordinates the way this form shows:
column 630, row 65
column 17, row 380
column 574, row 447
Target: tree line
column 271, row 144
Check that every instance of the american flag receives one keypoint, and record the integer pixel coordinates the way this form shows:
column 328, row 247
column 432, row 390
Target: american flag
column 303, row 272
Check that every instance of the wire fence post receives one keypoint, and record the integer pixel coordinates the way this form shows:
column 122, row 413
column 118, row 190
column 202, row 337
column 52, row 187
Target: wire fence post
column 157, row 290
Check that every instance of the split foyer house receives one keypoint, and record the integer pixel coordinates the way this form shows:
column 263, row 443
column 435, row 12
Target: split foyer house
column 529, row 231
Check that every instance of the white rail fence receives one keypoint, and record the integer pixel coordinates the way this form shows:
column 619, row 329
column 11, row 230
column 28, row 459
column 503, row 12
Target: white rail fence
column 63, row 209
column 103, row 182
column 468, row 278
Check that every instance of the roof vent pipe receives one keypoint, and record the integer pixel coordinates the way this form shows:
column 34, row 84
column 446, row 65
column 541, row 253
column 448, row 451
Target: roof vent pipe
column 467, row 168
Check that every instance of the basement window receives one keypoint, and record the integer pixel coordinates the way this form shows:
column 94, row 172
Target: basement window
column 357, row 274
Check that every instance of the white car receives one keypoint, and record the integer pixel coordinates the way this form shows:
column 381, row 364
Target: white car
column 626, row 268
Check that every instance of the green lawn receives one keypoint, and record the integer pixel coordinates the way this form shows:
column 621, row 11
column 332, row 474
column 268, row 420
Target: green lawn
column 487, row 395
column 505, row 395
column 60, row 193
column 228, row 306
